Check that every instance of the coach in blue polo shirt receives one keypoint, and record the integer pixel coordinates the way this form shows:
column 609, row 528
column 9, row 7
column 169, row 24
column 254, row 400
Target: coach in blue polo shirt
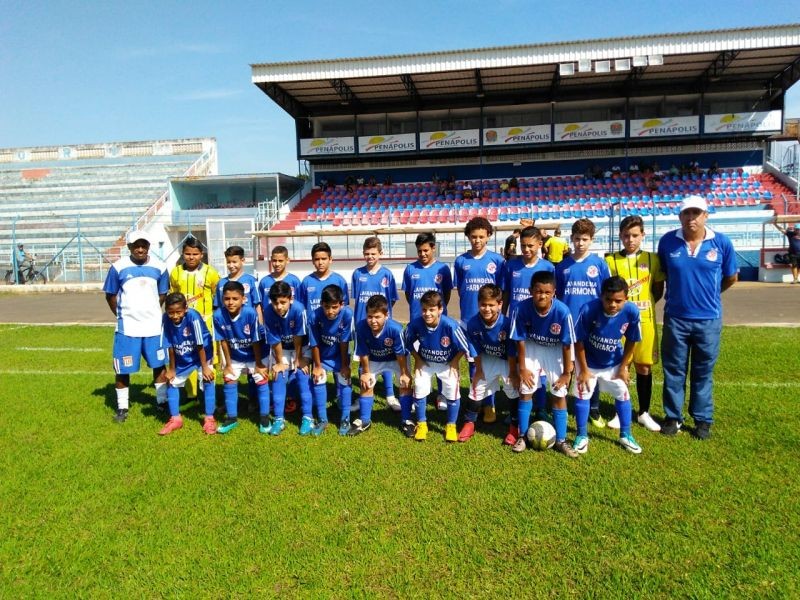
column 699, row 264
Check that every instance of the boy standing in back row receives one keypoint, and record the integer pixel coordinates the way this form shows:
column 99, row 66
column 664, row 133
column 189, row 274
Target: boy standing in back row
column 310, row 292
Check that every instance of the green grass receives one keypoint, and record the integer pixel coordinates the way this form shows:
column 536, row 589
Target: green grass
column 90, row 508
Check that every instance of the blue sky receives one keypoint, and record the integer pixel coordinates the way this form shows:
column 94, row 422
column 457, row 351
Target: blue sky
column 113, row 71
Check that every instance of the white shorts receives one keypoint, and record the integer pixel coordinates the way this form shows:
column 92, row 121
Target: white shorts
column 449, row 384
column 547, row 361
column 247, row 368
column 181, row 376
column 376, row 368
column 495, row 371
column 606, row 379
column 288, row 356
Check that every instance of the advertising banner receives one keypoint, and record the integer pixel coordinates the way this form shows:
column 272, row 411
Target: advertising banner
column 591, row 130
column 524, row 134
column 665, row 127
column 327, row 146
column 754, row 122
column 375, row 144
column 445, row 140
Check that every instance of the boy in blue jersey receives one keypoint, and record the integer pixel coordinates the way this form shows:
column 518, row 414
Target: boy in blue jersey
column 135, row 288
column 234, row 261
column 191, row 349
column 310, row 290
column 368, row 281
column 426, row 274
column 238, row 330
column 380, row 347
column 602, row 361
column 437, row 344
column 543, row 330
column 495, row 356
column 578, row 280
column 329, row 332
column 286, row 325
column 471, row 270
column 279, row 261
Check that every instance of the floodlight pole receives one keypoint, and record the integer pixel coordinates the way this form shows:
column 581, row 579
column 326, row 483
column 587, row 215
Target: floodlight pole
column 80, row 250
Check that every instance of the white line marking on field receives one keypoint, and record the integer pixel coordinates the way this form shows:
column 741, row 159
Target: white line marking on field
column 751, row 384
column 51, row 349
column 7, row 329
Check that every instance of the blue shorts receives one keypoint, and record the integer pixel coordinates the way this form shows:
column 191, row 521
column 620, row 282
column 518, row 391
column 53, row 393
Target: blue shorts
column 128, row 353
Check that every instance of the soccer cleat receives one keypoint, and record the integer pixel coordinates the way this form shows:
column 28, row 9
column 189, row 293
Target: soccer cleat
column 627, row 442
column 597, row 420
column 173, row 424
column 319, row 429
column 581, row 444
column 278, row 425
column 344, row 427
column 648, row 422
column 702, row 430
column 421, row 433
column 519, row 445
column 393, row 403
column 512, row 435
column 671, row 427
column 264, row 424
column 228, row 425
column 489, row 414
column 450, row 434
column 358, row 427
column 613, row 423
column 565, row 449
column 306, row 425
column 209, row 426
column 441, row 402
column 408, row 428
column 467, row 431
column 121, row 415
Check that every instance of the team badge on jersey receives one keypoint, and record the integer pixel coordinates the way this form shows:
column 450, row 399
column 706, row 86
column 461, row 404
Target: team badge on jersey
column 623, row 329
column 555, row 329
column 385, row 282
column 387, row 342
column 436, row 279
column 362, row 278
column 445, row 342
column 592, row 271
column 491, row 268
column 291, row 324
column 246, row 329
column 644, row 267
column 501, row 336
column 186, row 332
column 711, row 255
column 516, row 274
column 246, row 288
column 467, row 267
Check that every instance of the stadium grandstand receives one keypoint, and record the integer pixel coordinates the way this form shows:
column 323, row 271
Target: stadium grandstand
column 596, row 128
column 72, row 205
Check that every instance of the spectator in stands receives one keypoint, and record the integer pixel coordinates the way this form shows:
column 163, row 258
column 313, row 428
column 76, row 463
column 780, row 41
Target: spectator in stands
column 349, row 182
column 513, row 184
column 673, row 170
column 323, row 183
column 504, row 185
column 372, row 181
column 360, row 180
column 714, row 168
column 793, row 238
column 633, row 167
column 597, row 171
column 657, row 170
column 387, row 180
column 451, row 183
column 435, row 178
column 615, row 170
column 699, row 264
column 467, row 190
column 19, row 257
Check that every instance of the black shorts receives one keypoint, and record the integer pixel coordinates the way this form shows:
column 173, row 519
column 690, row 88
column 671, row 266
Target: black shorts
column 794, row 260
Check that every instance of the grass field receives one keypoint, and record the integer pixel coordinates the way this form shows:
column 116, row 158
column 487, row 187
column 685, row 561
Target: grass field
column 95, row 509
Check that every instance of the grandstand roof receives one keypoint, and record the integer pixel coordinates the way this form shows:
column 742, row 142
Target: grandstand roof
column 723, row 60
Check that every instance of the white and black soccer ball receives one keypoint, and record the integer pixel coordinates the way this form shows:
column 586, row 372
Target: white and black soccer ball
column 541, row 435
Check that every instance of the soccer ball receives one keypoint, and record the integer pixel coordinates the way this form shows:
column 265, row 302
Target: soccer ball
column 541, row 435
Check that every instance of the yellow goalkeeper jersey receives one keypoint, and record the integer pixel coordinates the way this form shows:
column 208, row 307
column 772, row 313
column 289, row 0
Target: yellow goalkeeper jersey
column 640, row 272
column 198, row 286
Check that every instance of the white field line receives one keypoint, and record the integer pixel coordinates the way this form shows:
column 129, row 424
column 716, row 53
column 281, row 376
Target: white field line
column 7, row 329
column 50, row 349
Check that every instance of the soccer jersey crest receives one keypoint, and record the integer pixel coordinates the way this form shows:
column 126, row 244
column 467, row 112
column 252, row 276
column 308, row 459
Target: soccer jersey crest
column 246, row 329
column 186, row 331
column 711, row 255
column 491, row 268
column 592, row 271
column 501, row 336
column 555, row 328
column 644, row 267
column 246, row 288
column 445, row 341
column 387, row 342
column 385, row 282
column 437, row 278
column 624, row 328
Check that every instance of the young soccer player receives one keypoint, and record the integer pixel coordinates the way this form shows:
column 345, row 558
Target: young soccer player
column 329, row 331
column 543, row 329
column 495, row 356
column 601, row 360
column 380, row 347
column 197, row 281
column 578, row 280
column 237, row 328
column 235, row 261
column 426, row 274
column 368, row 281
column 191, row 350
column 642, row 272
column 437, row 344
column 286, row 325
column 471, row 270
column 279, row 261
column 135, row 287
column 310, row 291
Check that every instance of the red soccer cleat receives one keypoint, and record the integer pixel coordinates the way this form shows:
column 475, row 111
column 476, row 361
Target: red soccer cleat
column 467, row 431
column 173, row 424
column 512, row 435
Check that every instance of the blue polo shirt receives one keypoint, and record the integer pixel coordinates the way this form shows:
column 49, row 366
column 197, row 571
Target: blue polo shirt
column 694, row 281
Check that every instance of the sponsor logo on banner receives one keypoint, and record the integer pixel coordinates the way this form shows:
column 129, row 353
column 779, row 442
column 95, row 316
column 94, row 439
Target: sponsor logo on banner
column 744, row 122
column 372, row 144
column 439, row 140
column 322, row 146
column 67, row 153
column 593, row 130
column 507, row 136
column 665, row 127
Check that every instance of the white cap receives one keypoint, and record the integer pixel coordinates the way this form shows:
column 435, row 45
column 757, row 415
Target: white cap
column 694, row 202
column 133, row 236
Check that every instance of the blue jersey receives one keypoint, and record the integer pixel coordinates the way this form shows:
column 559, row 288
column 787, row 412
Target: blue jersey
column 418, row 279
column 470, row 273
column 694, row 281
column 437, row 345
column 384, row 347
column 494, row 340
column 186, row 338
column 252, row 297
column 266, row 282
column 366, row 285
column 602, row 334
column 326, row 335
column 552, row 329
column 241, row 332
column 284, row 329
column 310, row 291
column 579, row 281
column 517, row 279
column 137, row 288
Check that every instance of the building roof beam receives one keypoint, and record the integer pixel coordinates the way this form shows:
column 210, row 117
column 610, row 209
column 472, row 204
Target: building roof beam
column 714, row 71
